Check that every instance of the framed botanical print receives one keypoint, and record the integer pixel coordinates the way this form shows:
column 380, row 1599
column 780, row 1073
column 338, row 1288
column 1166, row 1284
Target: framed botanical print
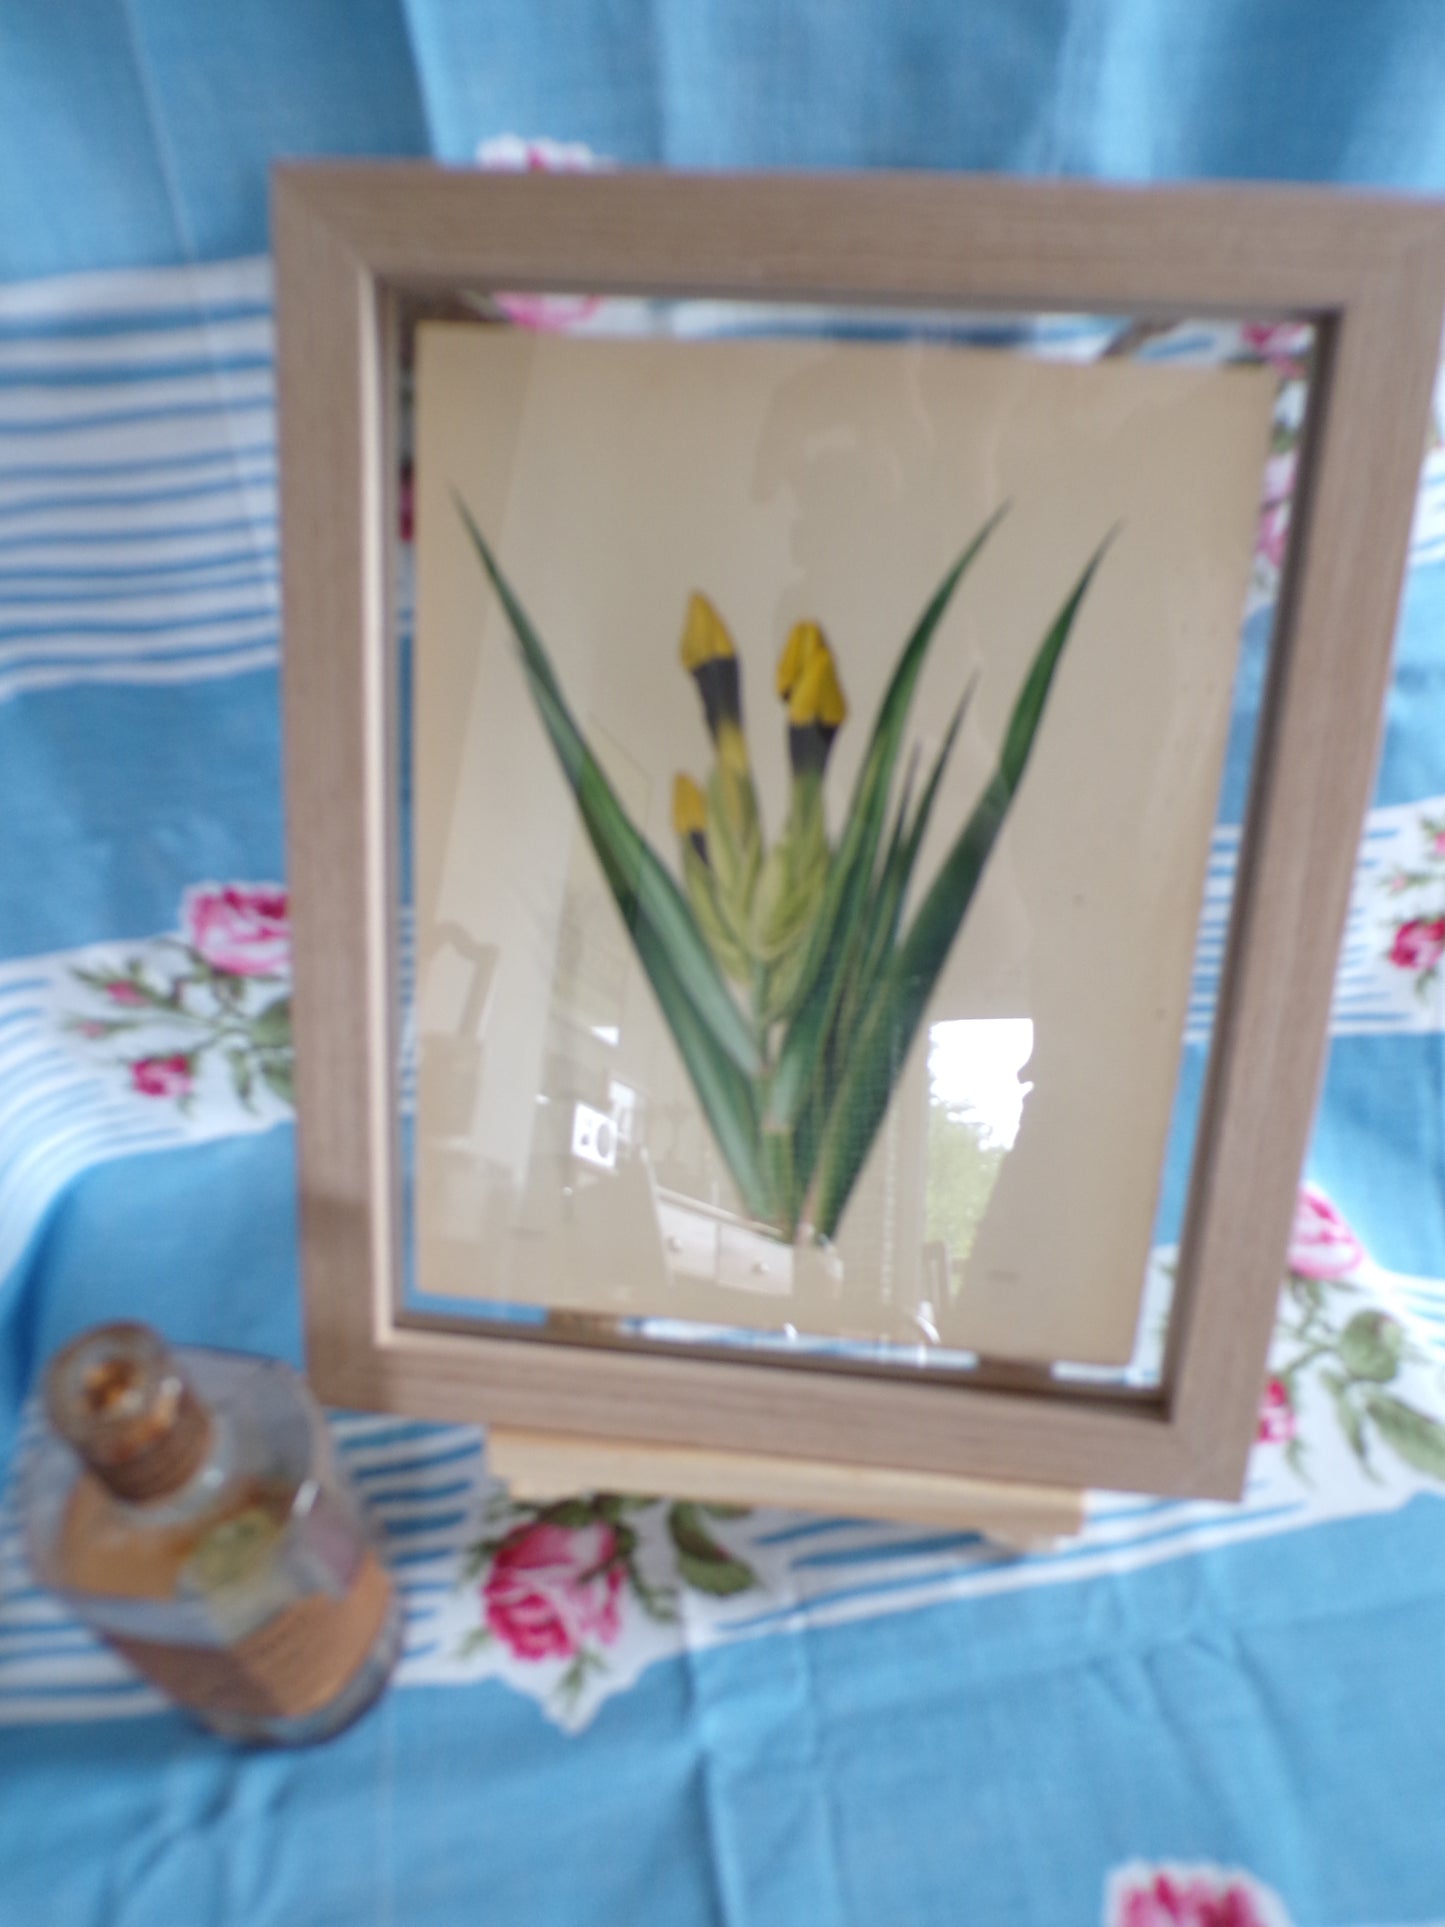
column 813, row 707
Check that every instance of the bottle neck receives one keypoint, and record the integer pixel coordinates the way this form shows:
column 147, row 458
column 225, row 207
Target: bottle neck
column 119, row 1398
column 198, row 1494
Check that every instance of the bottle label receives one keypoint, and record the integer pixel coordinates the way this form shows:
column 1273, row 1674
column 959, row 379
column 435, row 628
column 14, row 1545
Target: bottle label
column 292, row 1666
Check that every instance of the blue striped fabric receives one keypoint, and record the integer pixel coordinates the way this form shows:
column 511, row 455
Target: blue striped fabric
column 137, row 483
column 138, row 758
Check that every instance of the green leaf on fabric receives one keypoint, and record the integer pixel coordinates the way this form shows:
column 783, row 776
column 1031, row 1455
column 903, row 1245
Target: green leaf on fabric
column 479, row 1557
column 1351, row 1420
column 1372, row 1346
column 658, row 1602
column 279, row 1078
column 572, row 1513
column 719, row 1577
column 272, row 1027
column 242, row 1082
column 1413, row 1436
column 701, row 1561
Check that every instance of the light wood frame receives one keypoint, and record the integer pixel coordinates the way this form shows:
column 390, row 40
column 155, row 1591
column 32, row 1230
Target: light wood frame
column 352, row 243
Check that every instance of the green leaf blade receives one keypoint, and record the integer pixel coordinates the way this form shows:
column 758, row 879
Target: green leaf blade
column 647, row 897
column 725, row 1093
column 897, row 873
column 841, row 913
column 886, row 1034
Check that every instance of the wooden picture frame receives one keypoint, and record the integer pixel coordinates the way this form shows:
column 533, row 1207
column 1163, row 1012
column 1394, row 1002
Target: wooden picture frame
column 354, row 245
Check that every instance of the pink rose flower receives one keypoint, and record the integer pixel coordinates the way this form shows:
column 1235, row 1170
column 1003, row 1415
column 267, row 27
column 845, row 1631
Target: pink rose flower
column 120, row 991
column 1279, row 474
column 509, row 154
column 1282, row 344
column 1437, row 843
column 1191, row 1899
column 553, row 1588
column 1321, row 1244
column 1276, row 1415
column 1419, row 944
column 1274, row 533
column 240, row 928
column 162, row 1076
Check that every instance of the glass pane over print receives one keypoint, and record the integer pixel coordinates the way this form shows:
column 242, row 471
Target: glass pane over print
column 823, row 731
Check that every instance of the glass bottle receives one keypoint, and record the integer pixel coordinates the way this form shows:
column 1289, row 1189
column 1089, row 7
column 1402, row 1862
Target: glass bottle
column 187, row 1506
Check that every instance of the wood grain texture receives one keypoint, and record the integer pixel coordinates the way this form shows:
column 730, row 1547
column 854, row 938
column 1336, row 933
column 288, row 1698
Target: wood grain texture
column 731, row 1403
column 907, row 237
column 1315, row 764
column 350, row 239
column 337, row 801
column 542, row 1466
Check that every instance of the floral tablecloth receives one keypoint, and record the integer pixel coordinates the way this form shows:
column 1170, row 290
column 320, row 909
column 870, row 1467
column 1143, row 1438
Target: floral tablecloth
column 610, row 1709
column 619, row 1710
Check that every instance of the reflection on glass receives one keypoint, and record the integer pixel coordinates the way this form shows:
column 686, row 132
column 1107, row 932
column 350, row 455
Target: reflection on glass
column 631, row 1102
column 976, row 1094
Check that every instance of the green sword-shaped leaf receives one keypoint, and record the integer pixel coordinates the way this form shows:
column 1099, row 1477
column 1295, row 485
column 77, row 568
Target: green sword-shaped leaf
column 716, row 1043
column 875, row 1057
column 841, row 919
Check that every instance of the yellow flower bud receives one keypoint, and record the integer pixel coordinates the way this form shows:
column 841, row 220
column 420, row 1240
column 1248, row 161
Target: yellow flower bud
column 804, row 640
column 689, row 807
column 817, row 695
column 704, row 635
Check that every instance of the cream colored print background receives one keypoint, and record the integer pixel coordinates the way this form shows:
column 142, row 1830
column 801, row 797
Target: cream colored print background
column 838, row 482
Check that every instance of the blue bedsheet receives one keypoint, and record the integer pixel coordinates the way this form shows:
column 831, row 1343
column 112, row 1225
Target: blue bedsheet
column 1194, row 1714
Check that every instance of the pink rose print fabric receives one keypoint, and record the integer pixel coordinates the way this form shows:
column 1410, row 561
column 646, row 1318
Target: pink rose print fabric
column 1413, row 934
column 1279, row 478
column 199, row 1020
column 508, row 154
column 1338, row 1353
column 569, row 1592
column 162, row 1076
column 1276, row 1414
column 1284, row 345
column 1419, row 944
column 241, row 929
column 553, row 1589
column 1321, row 1244
column 1190, row 1897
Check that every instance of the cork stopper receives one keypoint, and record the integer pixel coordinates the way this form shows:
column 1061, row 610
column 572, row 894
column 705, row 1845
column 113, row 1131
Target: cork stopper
column 117, row 1396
